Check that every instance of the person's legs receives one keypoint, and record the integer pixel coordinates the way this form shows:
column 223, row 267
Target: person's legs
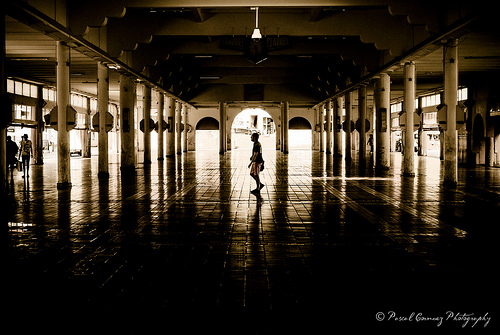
column 254, row 172
column 26, row 165
column 257, row 180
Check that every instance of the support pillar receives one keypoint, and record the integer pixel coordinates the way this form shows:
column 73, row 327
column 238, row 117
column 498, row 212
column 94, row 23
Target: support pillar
column 409, row 108
column 3, row 125
column 127, row 122
column 337, row 129
column 102, row 105
column 170, row 141
column 286, row 113
column 86, row 141
column 321, row 113
column 63, row 100
column 450, row 64
column 146, row 91
column 362, row 106
column 315, row 136
column 328, row 127
column 383, row 119
column 185, row 131
column 348, row 130
column 161, row 107
column 38, row 138
column 178, row 121
column 222, row 128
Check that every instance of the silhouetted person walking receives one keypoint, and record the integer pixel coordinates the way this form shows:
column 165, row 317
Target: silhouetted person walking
column 256, row 162
column 12, row 150
column 26, row 152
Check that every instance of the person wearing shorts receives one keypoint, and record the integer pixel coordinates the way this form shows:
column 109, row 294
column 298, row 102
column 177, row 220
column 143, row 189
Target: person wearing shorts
column 26, row 152
column 256, row 161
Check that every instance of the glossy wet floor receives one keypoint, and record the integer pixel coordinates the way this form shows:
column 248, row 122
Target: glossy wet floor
column 184, row 247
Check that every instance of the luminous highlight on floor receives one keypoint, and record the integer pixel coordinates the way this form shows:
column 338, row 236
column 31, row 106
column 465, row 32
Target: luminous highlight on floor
column 184, row 247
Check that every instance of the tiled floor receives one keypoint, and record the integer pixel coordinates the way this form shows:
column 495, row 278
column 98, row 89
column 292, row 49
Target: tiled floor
column 183, row 247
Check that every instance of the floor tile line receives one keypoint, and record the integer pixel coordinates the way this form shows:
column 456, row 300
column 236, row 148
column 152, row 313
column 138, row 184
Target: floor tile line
column 429, row 219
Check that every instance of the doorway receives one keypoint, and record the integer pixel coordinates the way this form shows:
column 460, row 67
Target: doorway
column 253, row 120
column 207, row 134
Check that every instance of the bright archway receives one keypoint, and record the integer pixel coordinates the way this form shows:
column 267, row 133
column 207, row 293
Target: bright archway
column 207, row 134
column 253, row 120
column 299, row 133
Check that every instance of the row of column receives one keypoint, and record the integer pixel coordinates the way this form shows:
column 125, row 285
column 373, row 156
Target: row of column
column 382, row 127
column 168, row 146
column 172, row 121
column 331, row 119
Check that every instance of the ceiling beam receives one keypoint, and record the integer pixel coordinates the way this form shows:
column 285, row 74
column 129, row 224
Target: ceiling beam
column 25, row 12
column 422, row 49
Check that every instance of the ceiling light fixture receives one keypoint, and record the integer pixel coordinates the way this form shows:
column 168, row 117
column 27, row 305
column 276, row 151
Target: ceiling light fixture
column 256, row 32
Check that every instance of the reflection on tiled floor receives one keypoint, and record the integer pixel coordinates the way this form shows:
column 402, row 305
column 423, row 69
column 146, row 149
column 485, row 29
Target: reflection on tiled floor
column 184, row 247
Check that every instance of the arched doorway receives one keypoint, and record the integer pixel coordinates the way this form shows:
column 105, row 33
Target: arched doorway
column 253, row 120
column 207, row 134
column 299, row 133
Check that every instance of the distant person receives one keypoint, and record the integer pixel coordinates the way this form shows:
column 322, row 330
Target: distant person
column 12, row 150
column 256, row 162
column 25, row 152
column 370, row 142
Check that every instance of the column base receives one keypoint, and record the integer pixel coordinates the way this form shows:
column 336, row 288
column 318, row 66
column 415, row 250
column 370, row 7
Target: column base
column 450, row 184
column 103, row 175
column 63, row 186
column 382, row 168
column 127, row 170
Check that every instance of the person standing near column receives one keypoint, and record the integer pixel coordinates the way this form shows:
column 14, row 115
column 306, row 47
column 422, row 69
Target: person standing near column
column 25, row 152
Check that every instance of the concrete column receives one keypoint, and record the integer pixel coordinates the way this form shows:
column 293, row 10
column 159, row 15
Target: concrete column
column 383, row 119
column 286, row 113
column 3, row 126
column 328, row 128
column 362, row 119
column 127, row 122
column 38, row 138
column 281, row 127
column 315, row 136
column 147, row 129
column 161, row 107
column 170, row 142
column 185, row 132
column 178, row 120
column 321, row 113
column 102, row 106
column 222, row 127
column 409, row 108
column 63, row 100
column 450, row 64
column 337, row 130
column 348, row 130
column 86, row 140
column 490, row 151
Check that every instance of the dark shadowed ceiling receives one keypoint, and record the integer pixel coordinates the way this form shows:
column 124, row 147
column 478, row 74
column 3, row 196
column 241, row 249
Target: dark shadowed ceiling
column 202, row 52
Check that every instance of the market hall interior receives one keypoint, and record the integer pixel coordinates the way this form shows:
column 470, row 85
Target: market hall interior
column 380, row 127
